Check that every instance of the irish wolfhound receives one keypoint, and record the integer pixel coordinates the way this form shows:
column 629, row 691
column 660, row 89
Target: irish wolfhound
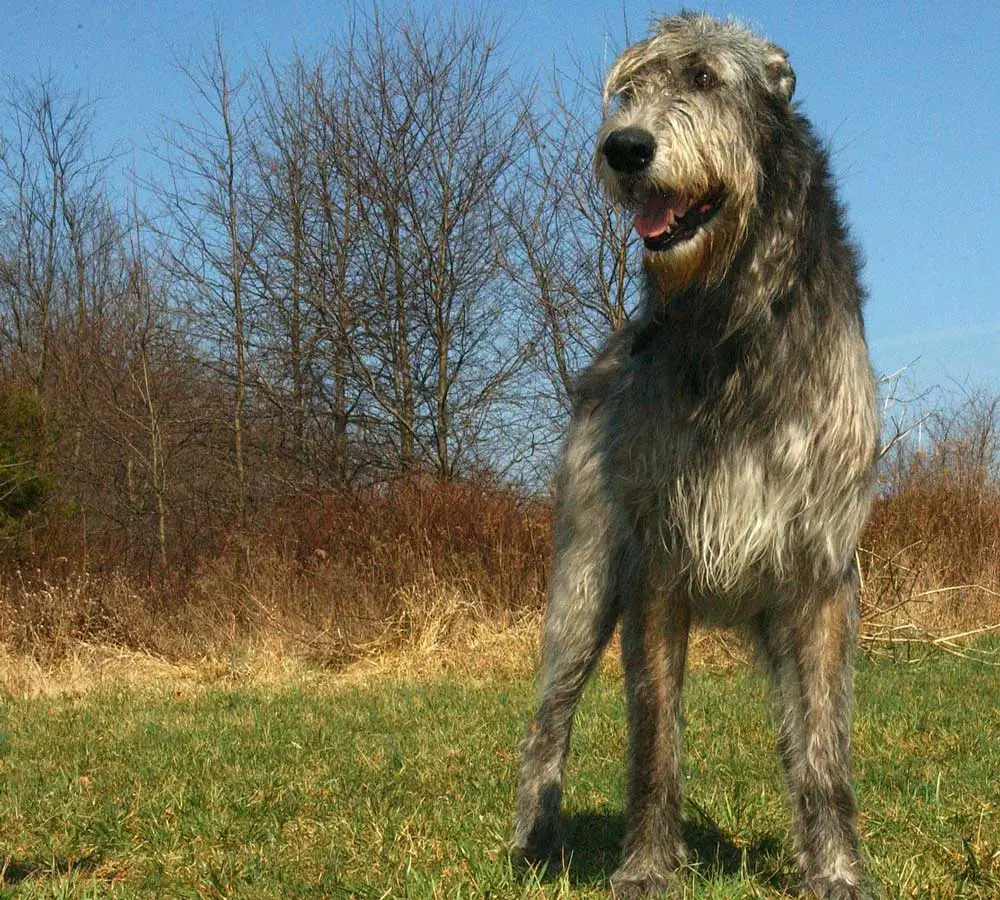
column 719, row 462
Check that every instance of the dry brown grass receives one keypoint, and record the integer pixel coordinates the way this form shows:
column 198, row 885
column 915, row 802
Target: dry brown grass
column 425, row 578
column 931, row 553
column 418, row 565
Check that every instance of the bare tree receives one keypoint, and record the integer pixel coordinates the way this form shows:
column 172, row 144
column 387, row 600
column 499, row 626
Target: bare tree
column 436, row 134
column 149, row 311
column 308, row 272
column 58, row 234
column 213, row 232
column 571, row 261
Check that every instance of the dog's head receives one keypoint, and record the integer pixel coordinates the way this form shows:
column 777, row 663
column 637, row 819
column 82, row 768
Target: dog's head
column 689, row 115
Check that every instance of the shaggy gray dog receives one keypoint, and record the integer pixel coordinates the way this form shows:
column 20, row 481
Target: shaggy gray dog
column 719, row 464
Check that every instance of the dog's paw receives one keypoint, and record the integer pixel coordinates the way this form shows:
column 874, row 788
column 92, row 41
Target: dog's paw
column 839, row 890
column 542, row 846
column 628, row 884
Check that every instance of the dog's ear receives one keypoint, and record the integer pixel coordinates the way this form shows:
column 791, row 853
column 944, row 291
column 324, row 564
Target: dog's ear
column 780, row 75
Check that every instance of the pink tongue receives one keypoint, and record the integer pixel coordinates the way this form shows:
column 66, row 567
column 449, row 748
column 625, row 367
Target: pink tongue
column 658, row 215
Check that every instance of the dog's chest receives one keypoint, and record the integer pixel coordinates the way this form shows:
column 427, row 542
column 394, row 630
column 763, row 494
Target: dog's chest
column 665, row 430
column 714, row 497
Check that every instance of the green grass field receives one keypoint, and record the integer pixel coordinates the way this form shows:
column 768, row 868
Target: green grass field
column 405, row 789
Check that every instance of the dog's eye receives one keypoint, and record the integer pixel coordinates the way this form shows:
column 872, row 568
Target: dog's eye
column 703, row 78
column 626, row 95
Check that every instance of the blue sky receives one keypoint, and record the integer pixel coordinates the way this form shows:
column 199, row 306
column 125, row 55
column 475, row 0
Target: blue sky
column 908, row 95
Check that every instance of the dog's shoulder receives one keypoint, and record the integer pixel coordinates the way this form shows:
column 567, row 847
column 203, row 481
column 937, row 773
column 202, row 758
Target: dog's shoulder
column 607, row 372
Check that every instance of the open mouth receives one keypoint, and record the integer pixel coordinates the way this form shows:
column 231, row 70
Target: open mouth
column 667, row 219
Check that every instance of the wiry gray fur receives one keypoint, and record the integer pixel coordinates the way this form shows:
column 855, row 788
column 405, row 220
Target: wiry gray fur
column 719, row 462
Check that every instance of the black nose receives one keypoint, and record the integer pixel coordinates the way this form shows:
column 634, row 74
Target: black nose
column 629, row 149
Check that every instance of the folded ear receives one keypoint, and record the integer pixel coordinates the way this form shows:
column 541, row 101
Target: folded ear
column 780, row 75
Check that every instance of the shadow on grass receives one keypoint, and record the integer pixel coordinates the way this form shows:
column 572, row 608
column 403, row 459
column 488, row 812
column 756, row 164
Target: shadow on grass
column 595, row 842
column 14, row 871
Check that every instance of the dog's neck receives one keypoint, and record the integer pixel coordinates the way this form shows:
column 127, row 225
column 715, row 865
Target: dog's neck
column 770, row 272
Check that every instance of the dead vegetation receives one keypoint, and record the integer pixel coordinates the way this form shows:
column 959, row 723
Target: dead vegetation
column 931, row 554
column 248, row 431
column 428, row 576
column 418, row 564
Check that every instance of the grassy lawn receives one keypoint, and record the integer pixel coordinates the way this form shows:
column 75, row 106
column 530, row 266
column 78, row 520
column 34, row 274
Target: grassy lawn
column 405, row 789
